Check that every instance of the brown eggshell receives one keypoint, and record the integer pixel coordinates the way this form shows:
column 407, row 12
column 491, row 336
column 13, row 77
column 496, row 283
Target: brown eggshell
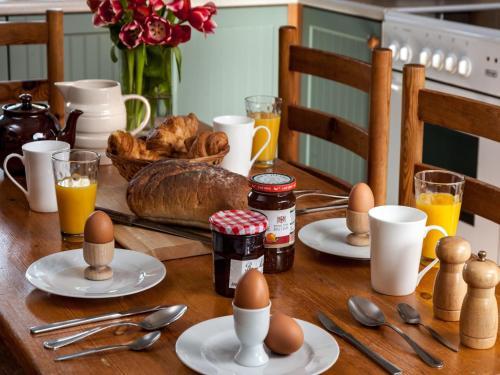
column 285, row 336
column 361, row 198
column 252, row 291
column 98, row 228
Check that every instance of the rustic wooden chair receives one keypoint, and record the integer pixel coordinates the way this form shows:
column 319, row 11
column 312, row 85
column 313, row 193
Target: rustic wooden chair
column 374, row 79
column 421, row 105
column 49, row 32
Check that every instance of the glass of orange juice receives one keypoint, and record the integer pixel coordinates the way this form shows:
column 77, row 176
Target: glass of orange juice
column 266, row 111
column 75, row 173
column 439, row 195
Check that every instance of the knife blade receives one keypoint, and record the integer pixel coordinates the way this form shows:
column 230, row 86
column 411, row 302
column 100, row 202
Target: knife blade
column 93, row 319
column 134, row 221
column 302, row 211
column 377, row 358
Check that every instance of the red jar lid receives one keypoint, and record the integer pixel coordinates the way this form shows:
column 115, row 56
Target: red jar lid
column 272, row 183
column 238, row 222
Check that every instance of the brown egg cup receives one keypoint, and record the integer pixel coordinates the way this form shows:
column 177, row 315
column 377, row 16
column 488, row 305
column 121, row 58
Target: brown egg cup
column 358, row 224
column 98, row 256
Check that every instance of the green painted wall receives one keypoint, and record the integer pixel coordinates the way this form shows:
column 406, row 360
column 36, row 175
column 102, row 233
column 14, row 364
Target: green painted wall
column 346, row 35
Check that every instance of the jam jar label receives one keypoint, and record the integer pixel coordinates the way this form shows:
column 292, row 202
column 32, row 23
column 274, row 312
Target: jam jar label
column 281, row 230
column 239, row 267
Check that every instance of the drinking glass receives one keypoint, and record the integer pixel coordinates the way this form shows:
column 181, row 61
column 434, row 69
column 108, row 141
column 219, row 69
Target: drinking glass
column 75, row 173
column 439, row 194
column 266, row 111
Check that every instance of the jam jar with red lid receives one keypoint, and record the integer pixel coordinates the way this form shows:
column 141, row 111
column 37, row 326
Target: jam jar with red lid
column 238, row 245
column 272, row 195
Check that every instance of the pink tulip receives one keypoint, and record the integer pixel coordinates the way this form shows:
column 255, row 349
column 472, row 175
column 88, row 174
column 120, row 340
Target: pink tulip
column 180, row 8
column 157, row 30
column 140, row 10
column 201, row 18
column 131, row 34
column 180, row 34
column 93, row 5
column 156, row 5
column 108, row 12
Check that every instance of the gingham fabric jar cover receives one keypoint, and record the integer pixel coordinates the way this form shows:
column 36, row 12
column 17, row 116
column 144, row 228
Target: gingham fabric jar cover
column 238, row 222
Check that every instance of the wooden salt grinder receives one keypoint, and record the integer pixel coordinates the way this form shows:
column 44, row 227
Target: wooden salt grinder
column 98, row 256
column 449, row 285
column 358, row 224
column 479, row 316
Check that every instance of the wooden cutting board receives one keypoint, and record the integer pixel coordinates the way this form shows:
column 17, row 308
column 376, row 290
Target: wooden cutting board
column 111, row 194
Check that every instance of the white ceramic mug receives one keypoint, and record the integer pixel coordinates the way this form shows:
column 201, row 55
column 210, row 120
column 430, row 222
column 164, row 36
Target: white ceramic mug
column 396, row 237
column 251, row 327
column 240, row 131
column 41, row 192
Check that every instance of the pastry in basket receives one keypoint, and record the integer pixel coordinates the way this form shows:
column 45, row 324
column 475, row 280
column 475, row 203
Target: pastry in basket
column 207, row 143
column 124, row 144
column 169, row 138
column 180, row 192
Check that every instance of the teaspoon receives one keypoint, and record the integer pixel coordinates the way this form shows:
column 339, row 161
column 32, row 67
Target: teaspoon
column 411, row 316
column 369, row 314
column 152, row 322
column 141, row 343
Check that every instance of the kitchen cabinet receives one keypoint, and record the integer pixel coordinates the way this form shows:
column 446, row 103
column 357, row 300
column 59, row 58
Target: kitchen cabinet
column 346, row 35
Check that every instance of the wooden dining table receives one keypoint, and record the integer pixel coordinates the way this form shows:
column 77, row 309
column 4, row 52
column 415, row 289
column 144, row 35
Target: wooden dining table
column 317, row 282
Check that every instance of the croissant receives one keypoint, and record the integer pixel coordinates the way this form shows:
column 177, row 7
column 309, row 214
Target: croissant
column 169, row 137
column 124, row 144
column 207, row 143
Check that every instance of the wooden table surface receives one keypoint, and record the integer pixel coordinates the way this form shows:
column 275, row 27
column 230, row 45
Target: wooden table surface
column 316, row 282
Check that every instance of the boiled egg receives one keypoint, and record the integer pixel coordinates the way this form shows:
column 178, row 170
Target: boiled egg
column 252, row 291
column 98, row 228
column 285, row 336
column 361, row 198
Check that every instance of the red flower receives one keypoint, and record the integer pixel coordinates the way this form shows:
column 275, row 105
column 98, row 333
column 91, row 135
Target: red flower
column 157, row 30
column 156, row 5
column 180, row 34
column 108, row 12
column 93, row 4
column 201, row 18
column 131, row 34
column 180, row 8
column 140, row 9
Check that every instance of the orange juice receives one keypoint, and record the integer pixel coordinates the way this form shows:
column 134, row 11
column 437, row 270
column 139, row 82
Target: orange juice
column 442, row 209
column 75, row 202
column 272, row 122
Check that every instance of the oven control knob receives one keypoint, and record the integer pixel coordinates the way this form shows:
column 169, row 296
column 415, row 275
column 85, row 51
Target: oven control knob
column 405, row 54
column 394, row 47
column 425, row 57
column 450, row 63
column 464, row 67
column 438, row 60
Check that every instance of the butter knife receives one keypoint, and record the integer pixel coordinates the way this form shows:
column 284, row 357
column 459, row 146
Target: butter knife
column 310, row 210
column 93, row 319
column 378, row 359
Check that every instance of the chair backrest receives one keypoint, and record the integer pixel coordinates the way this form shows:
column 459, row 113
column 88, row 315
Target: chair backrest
column 51, row 33
column 421, row 105
column 374, row 79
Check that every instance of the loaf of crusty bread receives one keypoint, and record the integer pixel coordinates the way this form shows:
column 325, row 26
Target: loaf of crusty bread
column 180, row 192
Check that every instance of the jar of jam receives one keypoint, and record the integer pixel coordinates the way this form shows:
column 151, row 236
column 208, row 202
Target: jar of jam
column 238, row 245
column 272, row 195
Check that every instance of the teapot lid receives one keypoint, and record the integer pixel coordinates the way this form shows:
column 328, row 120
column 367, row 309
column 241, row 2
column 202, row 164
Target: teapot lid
column 26, row 107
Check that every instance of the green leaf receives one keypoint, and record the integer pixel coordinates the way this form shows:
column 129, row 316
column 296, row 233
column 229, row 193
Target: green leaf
column 178, row 60
column 114, row 58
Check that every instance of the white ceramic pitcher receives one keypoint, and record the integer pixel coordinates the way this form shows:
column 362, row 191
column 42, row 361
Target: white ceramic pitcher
column 104, row 111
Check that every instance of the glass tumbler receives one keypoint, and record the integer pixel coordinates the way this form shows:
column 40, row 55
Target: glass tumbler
column 75, row 173
column 439, row 194
column 266, row 111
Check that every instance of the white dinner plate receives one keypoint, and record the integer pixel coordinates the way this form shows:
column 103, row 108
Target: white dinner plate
column 62, row 274
column 328, row 236
column 209, row 348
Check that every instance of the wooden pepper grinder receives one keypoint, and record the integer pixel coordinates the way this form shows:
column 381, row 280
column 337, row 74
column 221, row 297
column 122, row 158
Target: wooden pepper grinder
column 360, row 201
column 479, row 316
column 98, row 246
column 449, row 285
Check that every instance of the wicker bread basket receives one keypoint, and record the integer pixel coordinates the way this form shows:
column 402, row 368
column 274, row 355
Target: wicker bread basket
column 129, row 167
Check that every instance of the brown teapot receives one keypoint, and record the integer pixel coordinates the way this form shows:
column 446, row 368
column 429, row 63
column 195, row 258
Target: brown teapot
column 26, row 122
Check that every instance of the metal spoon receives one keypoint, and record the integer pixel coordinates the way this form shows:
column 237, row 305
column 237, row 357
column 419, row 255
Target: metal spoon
column 369, row 314
column 152, row 322
column 141, row 343
column 411, row 316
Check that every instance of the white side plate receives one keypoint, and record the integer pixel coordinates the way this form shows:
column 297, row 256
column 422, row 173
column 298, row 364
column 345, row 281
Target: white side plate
column 62, row 274
column 209, row 348
column 328, row 236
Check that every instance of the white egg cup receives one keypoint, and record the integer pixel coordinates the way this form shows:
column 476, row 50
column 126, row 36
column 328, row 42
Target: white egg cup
column 251, row 327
